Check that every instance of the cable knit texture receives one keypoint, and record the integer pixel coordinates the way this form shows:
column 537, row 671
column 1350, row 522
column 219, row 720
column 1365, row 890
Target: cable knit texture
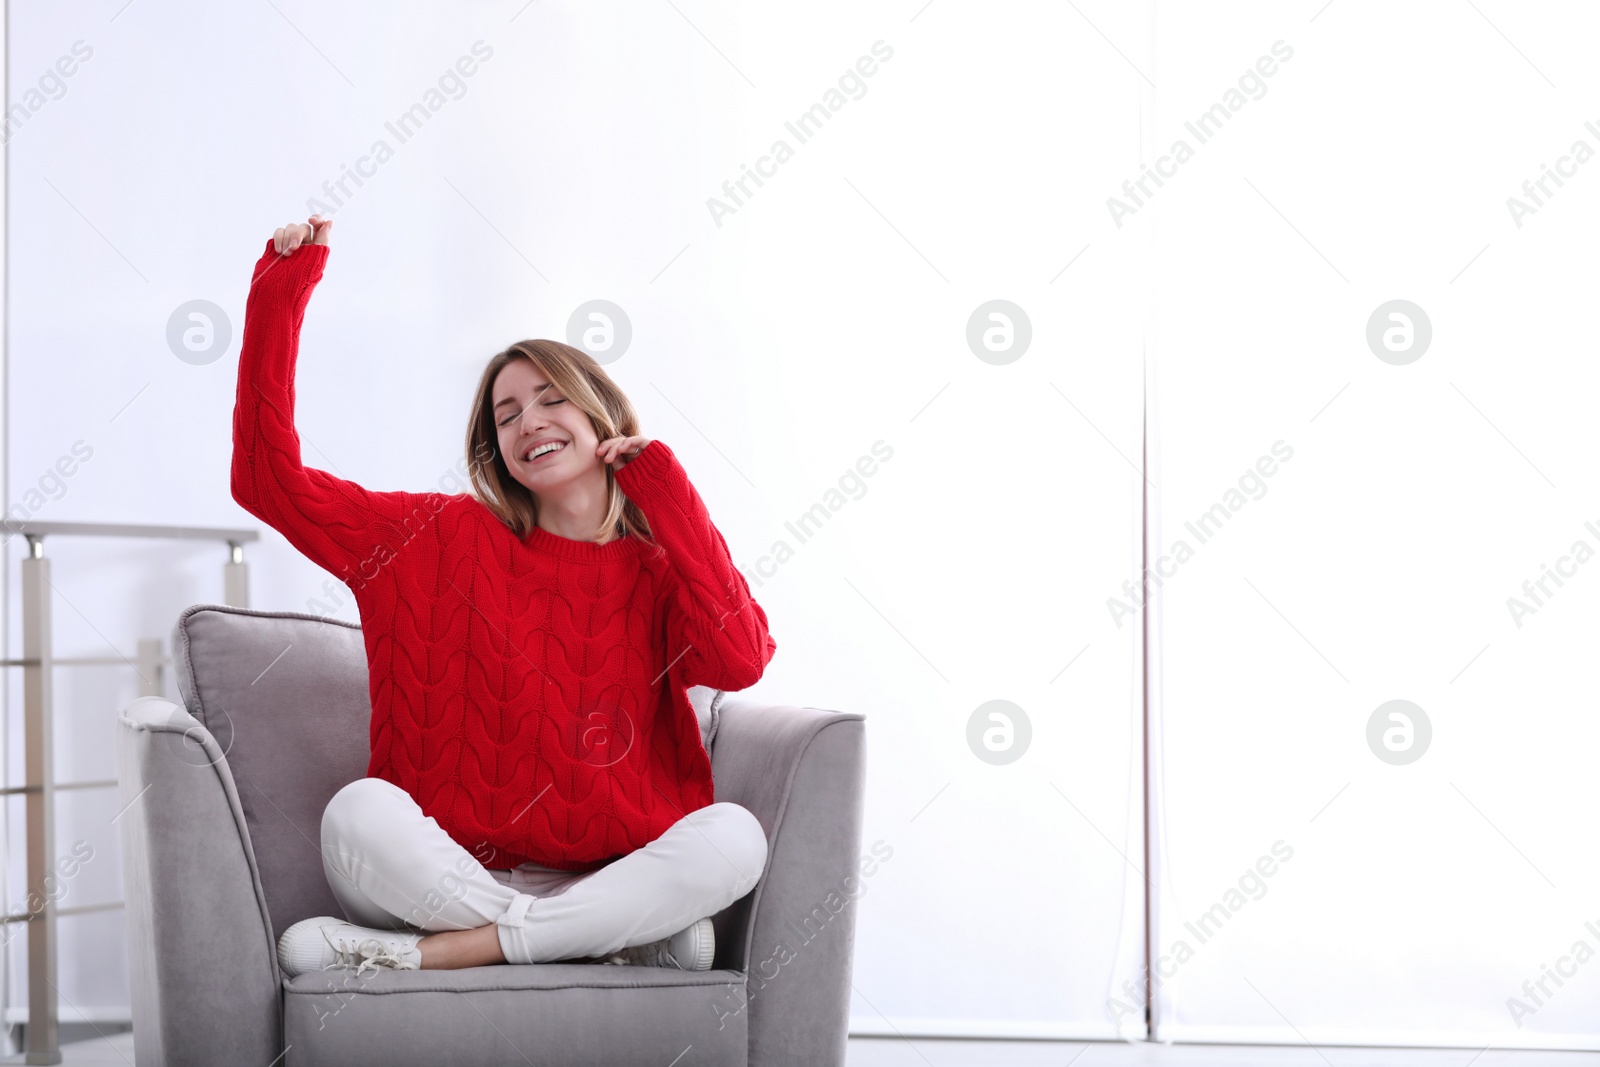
column 529, row 693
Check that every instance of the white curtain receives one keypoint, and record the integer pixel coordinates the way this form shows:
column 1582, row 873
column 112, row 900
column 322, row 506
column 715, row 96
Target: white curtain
column 1422, row 879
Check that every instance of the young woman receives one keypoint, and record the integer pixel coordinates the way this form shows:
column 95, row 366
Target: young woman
column 537, row 789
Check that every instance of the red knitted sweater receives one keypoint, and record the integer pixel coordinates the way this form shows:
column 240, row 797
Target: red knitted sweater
column 528, row 693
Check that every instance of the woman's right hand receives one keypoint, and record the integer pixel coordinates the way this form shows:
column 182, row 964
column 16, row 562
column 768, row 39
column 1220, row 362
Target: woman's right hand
column 285, row 239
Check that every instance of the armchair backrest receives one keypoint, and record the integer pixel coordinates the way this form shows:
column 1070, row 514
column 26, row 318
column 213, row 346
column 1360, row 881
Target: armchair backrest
column 285, row 695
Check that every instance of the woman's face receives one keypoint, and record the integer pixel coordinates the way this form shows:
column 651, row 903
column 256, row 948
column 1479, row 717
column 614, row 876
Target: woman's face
column 529, row 412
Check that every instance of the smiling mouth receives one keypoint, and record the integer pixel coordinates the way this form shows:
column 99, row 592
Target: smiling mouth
column 547, row 453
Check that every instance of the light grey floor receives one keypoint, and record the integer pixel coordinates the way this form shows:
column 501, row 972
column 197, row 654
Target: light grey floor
column 942, row 1052
column 117, row 1051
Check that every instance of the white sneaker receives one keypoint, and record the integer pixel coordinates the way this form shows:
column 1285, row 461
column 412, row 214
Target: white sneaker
column 690, row 949
column 322, row 942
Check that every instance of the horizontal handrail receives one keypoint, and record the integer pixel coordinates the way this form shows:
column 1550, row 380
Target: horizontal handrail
column 34, row 916
column 99, row 783
column 115, row 529
column 79, row 661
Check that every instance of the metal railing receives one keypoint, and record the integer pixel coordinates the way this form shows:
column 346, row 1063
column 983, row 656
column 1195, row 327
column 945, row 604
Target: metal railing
column 37, row 663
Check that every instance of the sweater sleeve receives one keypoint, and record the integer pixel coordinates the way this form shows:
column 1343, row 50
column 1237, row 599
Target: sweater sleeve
column 714, row 626
column 337, row 524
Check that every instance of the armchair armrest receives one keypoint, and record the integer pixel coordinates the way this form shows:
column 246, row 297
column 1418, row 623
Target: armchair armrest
column 209, row 994
column 801, row 772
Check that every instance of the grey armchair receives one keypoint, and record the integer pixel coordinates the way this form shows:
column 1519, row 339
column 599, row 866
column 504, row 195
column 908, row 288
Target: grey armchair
column 221, row 829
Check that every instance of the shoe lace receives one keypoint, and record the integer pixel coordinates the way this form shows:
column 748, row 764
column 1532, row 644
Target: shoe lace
column 365, row 953
column 653, row 954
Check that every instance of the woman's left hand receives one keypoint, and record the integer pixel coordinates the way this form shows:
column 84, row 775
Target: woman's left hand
column 619, row 450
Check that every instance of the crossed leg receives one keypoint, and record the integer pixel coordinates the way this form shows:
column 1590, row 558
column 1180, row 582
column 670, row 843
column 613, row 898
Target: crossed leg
column 392, row 867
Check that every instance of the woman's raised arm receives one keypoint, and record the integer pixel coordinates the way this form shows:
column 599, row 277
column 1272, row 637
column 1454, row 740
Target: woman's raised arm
column 337, row 524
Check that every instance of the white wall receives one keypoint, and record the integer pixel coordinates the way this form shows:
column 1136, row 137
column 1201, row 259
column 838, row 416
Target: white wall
column 828, row 313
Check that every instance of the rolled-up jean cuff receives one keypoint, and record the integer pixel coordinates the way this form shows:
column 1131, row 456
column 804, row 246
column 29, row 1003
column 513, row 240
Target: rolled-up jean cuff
column 513, row 931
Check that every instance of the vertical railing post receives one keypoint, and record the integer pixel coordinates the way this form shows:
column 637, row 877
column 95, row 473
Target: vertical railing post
column 43, row 1035
column 148, row 659
column 236, row 577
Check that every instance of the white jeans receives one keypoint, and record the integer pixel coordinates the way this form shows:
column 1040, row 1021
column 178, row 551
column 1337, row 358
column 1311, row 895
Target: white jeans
column 394, row 868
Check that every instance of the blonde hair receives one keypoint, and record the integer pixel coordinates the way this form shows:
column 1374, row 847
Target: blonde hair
column 584, row 383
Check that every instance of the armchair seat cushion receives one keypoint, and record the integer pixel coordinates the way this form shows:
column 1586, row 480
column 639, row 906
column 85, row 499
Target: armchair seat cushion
column 585, row 1014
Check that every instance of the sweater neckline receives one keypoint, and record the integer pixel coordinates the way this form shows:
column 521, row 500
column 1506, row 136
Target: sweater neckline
column 541, row 540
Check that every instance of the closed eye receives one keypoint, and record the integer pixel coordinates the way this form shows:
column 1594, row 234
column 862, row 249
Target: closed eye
column 509, row 419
